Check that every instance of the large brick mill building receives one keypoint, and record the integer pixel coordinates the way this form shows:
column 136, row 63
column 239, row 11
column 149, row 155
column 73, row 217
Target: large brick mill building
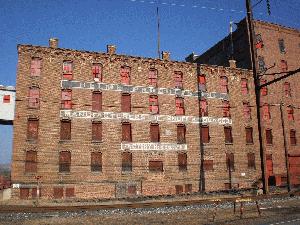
column 103, row 125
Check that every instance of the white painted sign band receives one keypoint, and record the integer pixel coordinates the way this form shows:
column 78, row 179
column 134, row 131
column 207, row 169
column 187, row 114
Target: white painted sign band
column 154, row 146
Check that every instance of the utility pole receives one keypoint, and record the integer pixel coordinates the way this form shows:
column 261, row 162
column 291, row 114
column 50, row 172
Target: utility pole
column 158, row 33
column 257, row 93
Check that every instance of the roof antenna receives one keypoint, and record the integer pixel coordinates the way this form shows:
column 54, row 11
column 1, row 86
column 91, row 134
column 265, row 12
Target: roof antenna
column 231, row 41
column 158, row 33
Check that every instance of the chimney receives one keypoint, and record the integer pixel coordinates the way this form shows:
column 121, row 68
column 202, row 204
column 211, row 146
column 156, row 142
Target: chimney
column 166, row 56
column 232, row 63
column 111, row 49
column 53, row 42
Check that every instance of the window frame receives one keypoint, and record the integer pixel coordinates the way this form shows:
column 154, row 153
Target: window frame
column 65, row 130
column 31, row 162
column 65, row 164
column 179, row 104
column 228, row 135
column 153, row 78
column 96, row 161
column 67, row 70
column 32, row 132
column 126, row 125
column 153, row 104
column 126, row 161
column 154, row 132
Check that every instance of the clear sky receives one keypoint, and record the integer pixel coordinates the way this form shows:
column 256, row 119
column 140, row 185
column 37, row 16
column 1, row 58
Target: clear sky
column 186, row 26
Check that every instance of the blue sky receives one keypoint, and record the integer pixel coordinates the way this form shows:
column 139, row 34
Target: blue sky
column 186, row 26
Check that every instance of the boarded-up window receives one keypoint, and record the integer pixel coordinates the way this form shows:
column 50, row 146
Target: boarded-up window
column 203, row 107
column 97, row 101
column 34, row 192
column 179, row 106
column 246, row 110
column 290, row 112
column 96, row 161
column 228, row 134
column 182, row 161
column 281, row 45
column 259, row 42
column 181, row 130
column 132, row 189
column 125, row 74
column 178, row 189
column 202, row 83
column 208, row 165
column 283, row 65
column 263, row 90
column 31, row 162
column 68, row 70
column 266, row 112
column 269, row 136
column 178, row 77
column 156, row 166
column 34, row 97
column 224, row 84
column 205, row 134
column 126, row 161
column 154, row 132
column 32, row 129
column 226, row 109
column 188, row 188
column 251, row 160
column 261, row 64
column 244, row 86
column 293, row 137
column 64, row 161
column 153, row 77
column 65, row 130
column 126, row 132
column 249, row 135
column 58, row 192
column 35, row 67
column 66, row 99
column 24, row 193
column 96, row 131
column 153, row 104
column 6, row 99
column 126, row 103
column 70, row 192
column 97, row 71
column 287, row 89
column 230, row 161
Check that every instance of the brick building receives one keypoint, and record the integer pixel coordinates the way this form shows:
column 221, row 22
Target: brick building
column 103, row 125
column 278, row 51
column 7, row 104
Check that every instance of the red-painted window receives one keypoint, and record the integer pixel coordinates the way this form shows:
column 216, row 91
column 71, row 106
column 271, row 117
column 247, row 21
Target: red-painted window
column 70, row 192
column 181, row 130
column 65, row 130
column 34, row 97
column 266, row 112
column 205, row 134
column 251, row 160
column 249, row 135
column 226, row 109
column 152, row 77
column 228, row 135
column 126, row 132
column 126, row 102
column 179, row 106
column 24, row 193
column 269, row 137
column 202, row 83
column 97, row 101
column 35, row 67
column 97, row 71
column 244, row 86
column 153, row 104
column 283, row 65
column 32, row 129
column 203, row 107
column 6, row 99
column 154, row 132
column 126, row 161
column 293, row 137
column 188, row 188
column 156, row 166
column 66, row 99
column 290, row 112
column 259, row 42
column 263, row 90
column 96, row 131
column 230, row 161
column 64, row 161
column 58, row 192
column 178, row 78
column 224, row 84
column 246, row 110
column 208, row 165
column 31, row 162
column 96, row 161
column 131, row 189
column 68, row 70
column 287, row 89
column 182, row 161
column 125, row 75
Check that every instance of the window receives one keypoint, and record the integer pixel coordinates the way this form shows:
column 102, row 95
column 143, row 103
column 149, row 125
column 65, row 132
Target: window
column 247, row 110
column 6, row 99
column 126, row 161
column 34, row 97
column 96, row 131
column 154, row 132
column 228, row 135
column 97, row 71
column 156, row 166
column 58, row 192
column 204, row 134
column 251, row 160
column 66, row 99
column 179, row 106
column 131, row 190
column 96, row 101
column 35, row 67
column 68, row 70
column 178, row 77
column 126, row 132
column 202, row 83
column 153, row 104
column 269, row 137
column 226, row 109
column 70, row 192
column 203, row 107
column 263, row 90
column 290, row 112
column 281, row 45
column 287, row 89
column 188, row 188
column 261, row 64
column 182, row 161
column 126, row 103
column 181, row 130
column 283, row 65
column 96, row 161
column 224, row 84
column 259, row 42
column 244, row 86
column 153, row 77
column 65, row 130
column 208, row 165
column 31, row 162
column 32, row 129
column 24, row 193
column 230, row 161
column 266, row 112
column 125, row 75
column 249, row 135
column 178, row 189
column 64, row 161
column 293, row 137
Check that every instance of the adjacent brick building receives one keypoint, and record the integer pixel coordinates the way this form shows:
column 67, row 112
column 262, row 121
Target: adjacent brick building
column 7, row 104
column 278, row 51
column 103, row 125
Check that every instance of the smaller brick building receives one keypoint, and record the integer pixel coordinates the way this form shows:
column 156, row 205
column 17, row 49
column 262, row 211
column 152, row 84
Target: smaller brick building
column 7, row 104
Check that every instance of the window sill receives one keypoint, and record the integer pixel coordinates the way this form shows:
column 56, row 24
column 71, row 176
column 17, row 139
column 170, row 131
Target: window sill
column 183, row 171
column 96, row 142
column 250, row 143
column 64, row 141
column 64, row 173
column 228, row 143
column 126, row 172
column 181, row 143
column 33, row 108
column 32, row 141
column 30, row 173
column 269, row 145
column 96, row 172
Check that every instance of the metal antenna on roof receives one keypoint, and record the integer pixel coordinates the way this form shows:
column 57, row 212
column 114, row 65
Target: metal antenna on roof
column 231, row 40
column 158, row 32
